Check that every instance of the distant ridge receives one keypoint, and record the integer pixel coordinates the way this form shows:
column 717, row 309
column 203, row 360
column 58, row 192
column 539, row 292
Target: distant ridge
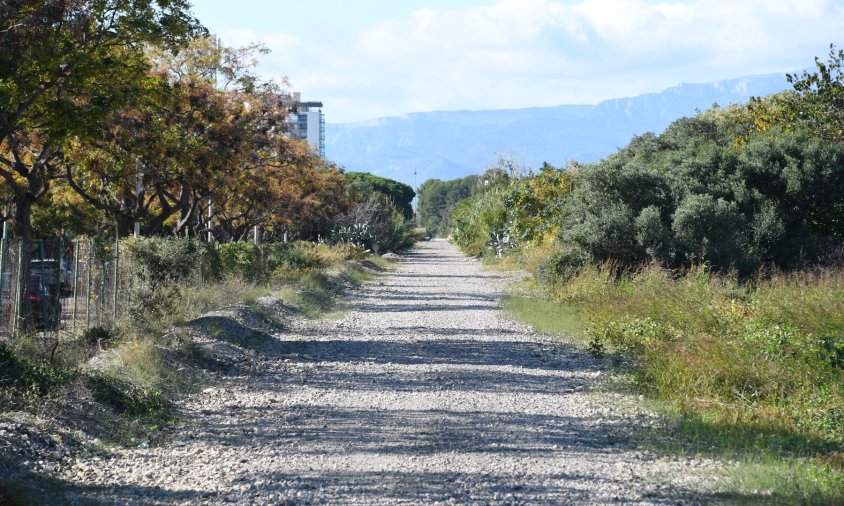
column 452, row 144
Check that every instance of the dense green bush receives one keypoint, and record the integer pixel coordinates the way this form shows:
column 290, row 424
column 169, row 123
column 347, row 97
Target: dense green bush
column 127, row 398
column 438, row 198
column 374, row 224
column 481, row 223
column 400, row 194
column 161, row 270
column 158, row 268
column 26, row 376
column 778, row 199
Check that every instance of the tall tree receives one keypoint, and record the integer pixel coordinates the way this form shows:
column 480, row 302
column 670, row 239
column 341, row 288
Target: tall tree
column 820, row 96
column 64, row 66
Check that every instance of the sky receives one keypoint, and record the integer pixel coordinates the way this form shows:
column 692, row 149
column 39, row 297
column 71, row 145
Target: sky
column 367, row 59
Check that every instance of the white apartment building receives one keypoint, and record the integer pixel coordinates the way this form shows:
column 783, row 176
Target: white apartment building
column 308, row 122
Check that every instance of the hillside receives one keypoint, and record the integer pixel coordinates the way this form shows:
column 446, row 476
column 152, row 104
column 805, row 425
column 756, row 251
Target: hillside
column 451, row 144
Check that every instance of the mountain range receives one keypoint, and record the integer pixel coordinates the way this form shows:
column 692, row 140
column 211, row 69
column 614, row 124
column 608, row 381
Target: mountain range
column 451, row 144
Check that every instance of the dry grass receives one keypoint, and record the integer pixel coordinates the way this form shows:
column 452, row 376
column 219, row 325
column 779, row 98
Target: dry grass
column 754, row 370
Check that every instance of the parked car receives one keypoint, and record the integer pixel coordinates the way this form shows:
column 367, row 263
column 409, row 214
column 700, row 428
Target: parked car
column 45, row 307
column 53, row 272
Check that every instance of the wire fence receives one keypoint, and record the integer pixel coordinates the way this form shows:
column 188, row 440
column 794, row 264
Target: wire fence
column 73, row 285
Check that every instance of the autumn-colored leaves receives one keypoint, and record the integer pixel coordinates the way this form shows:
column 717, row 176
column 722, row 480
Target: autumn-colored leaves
column 120, row 114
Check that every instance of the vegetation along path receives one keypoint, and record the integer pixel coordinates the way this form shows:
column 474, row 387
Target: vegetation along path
column 424, row 392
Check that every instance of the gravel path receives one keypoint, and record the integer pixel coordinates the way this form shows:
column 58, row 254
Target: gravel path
column 425, row 392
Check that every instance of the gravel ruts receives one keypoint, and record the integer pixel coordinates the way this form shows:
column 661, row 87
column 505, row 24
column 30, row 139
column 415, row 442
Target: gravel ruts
column 426, row 392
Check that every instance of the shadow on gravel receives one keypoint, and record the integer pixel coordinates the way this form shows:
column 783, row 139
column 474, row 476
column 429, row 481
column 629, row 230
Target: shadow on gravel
column 131, row 494
column 440, row 487
column 409, row 433
column 415, row 307
column 227, row 329
column 457, row 381
column 505, row 351
column 485, row 277
column 439, row 297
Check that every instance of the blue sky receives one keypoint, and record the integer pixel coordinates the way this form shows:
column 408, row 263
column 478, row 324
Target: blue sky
column 371, row 58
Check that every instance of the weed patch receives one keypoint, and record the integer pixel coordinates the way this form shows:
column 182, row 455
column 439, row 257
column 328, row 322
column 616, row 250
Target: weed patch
column 126, row 398
column 26, row 376
column 749, row 371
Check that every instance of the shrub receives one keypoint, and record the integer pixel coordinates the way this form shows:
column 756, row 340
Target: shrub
column 481, row 223
column 26, row 376
column 769, row 353
column 560, row 267
column 712, row 231
column 374, row 224
column 123, row 397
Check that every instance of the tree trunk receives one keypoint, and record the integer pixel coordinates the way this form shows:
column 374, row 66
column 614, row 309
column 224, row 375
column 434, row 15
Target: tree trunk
column 23, row 232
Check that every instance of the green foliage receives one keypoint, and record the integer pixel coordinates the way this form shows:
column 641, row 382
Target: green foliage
column 159, row 268
column 536, row 204
column 241, row 259
column 400, row 194
column 560, row 267
column 27, row 376
column 705, row 342
column 127, row 398
column 438, row 198
column 713, row 230
column 481, row 223
column 160, row 261
column 777, row 200
column 819, row 97
column 375, row 225
column 505, row 213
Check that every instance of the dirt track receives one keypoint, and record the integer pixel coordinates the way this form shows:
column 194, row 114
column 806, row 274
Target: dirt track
column 425, row 392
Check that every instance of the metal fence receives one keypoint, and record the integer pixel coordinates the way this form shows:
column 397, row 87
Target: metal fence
column 73, row 285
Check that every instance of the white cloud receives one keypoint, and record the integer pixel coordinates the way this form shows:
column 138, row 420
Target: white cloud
column 517, row 53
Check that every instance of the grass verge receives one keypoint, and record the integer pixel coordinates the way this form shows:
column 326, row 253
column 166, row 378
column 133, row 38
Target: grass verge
column 748, row 372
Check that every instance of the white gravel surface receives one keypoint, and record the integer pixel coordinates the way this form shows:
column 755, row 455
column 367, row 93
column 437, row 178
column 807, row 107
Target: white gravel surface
column 425, row 392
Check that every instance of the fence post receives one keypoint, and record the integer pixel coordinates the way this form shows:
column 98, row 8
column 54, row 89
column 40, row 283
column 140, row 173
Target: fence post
column 44, row 302
column 18, row 288
column 88, row 290
column 2, row 265
column 116, row 275
column 75, row 282
column 101, row 299
column 57, row 307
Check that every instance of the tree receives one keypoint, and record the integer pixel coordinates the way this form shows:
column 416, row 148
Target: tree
column 819, row 104
column 169, row 153
column 401, row 194
column 816, row 104
column 64, row 66
column 437, row 198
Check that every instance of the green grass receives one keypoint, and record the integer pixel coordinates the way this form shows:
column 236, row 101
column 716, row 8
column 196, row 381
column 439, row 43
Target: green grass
column 387, row 265
column 545, row 315
column 748, row 372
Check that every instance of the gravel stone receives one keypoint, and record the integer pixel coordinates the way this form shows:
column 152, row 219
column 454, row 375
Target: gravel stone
column 424, row 393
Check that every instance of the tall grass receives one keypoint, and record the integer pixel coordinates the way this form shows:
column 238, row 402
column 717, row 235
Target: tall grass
column 769, row 353
column 752, row 370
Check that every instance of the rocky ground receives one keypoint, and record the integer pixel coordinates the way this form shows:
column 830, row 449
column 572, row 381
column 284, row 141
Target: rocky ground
column 425, row 392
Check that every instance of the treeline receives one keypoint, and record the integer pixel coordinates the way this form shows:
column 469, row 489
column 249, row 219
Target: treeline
column 437, row 199
column 710, row 256
column 124, row 118
column 732, row 188
column 116, row 115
